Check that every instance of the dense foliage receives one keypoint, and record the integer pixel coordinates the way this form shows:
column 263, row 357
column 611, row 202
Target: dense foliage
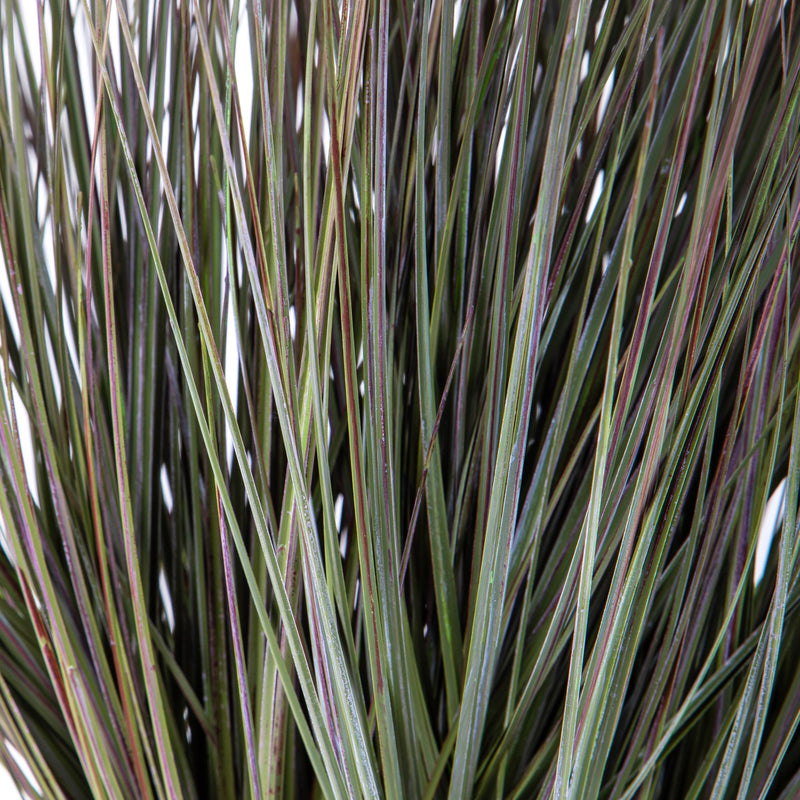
column 391, row 398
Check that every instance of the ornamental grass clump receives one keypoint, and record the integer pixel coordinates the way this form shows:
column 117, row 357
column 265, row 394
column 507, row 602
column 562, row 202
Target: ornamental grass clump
column 393, row 395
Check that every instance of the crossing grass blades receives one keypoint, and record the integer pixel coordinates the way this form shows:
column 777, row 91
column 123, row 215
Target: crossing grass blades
column 392, row 393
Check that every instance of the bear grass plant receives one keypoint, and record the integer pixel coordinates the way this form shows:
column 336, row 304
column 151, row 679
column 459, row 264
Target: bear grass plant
column 391, row 397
